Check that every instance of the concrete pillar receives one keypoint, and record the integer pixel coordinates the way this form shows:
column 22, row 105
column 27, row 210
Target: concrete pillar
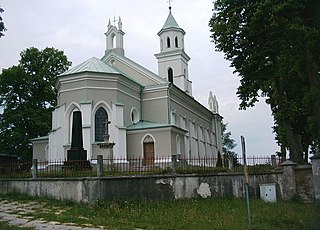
column 288, row 179
column 230, row 159
column 34, row 168
column 273, row 161
column 99, row 166
column 174, row 163
column 315, row 161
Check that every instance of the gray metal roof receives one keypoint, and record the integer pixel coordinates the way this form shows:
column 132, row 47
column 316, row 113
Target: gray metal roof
column 94, row 65
column 146, row 125
column 170, row 22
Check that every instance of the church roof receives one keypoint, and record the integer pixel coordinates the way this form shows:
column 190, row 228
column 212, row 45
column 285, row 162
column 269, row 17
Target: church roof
column 170, row 22
column 146, row 125
column 94, row 65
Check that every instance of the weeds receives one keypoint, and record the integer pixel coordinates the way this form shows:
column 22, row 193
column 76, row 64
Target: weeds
column 213, row 213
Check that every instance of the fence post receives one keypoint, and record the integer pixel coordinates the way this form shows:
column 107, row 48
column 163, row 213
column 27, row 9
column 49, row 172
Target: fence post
column 288, row 179
column 34, row 168
column 99, row 166
column 174, row 163
column 315, row 162
column 273, row 161
column 230, row 163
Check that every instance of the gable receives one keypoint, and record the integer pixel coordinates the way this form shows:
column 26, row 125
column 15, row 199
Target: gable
column 133, row 70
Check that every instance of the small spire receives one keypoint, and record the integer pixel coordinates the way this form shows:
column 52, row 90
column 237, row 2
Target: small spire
column 120, row 24
column 109, row 24
column 213, row 103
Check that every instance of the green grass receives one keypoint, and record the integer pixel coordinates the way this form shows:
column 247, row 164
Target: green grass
column 213, row 213
column 4, row 225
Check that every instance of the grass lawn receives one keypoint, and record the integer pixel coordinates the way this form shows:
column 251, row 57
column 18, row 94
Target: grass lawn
column 213, row 213
column 5, row 226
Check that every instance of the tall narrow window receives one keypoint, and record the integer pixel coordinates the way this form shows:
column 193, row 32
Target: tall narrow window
column 113, row 41
column 170, row 75
column 101, row 124
column 176, row 42
column 168, row 42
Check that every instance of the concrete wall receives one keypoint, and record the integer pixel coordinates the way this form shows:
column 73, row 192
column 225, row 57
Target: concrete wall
column 163, row 186
column 135, row 188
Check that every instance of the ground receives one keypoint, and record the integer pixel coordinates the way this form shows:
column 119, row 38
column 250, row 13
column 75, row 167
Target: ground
column 16, row 213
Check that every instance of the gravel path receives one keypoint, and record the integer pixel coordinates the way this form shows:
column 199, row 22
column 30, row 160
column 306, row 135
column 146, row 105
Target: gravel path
column 16, row 213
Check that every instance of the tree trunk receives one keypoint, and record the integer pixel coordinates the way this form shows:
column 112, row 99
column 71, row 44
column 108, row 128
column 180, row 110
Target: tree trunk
column 314, row 82
column 293, row 139
column 294, row 143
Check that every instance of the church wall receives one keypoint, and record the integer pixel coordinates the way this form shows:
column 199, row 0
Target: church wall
column 88, row 91
column 155, row 106
column 40, row 149
column 197, row 120
column 156, row 111
column 130, row 99
column 162, row 142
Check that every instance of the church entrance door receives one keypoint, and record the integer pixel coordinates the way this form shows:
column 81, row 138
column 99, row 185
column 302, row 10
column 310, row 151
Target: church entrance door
column 148, row 153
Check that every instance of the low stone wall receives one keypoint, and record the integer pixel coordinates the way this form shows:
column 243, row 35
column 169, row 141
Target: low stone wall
column 137, row 187
column 289, row 180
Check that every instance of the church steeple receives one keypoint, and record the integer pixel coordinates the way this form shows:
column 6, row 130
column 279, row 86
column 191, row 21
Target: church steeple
column 172, row 59
column 114, row 38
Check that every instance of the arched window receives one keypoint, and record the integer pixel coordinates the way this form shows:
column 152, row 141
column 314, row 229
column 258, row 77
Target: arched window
column 113, row 40
column 170, row 75
column 176, row 42
column 134, row 116
column 101, row 124
column 168, row 42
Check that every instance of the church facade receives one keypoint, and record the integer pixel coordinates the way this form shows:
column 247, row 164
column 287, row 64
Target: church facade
column 144, row 114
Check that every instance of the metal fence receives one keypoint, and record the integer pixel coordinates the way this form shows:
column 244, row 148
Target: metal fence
column 134, row 166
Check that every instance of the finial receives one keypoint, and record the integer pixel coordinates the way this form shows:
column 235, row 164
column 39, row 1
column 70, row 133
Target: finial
column 119, row 23
column 109, row 24
column 169, row 1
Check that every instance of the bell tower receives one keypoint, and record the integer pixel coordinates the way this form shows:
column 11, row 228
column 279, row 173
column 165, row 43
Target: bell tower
column 114, row 38
column 172, row 59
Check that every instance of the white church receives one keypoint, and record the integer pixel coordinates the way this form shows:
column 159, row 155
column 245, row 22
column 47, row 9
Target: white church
column 149, row 115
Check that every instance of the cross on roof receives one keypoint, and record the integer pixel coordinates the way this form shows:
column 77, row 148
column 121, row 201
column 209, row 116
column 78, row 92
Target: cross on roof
column 169, row 1
column 114, row 20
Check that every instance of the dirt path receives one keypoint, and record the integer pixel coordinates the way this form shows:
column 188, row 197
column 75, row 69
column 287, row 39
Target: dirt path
column 16, row 213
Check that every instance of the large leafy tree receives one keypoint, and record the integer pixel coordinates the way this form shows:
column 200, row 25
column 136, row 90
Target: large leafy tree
column 2, row 27
column 28, row 96
column 274, row 47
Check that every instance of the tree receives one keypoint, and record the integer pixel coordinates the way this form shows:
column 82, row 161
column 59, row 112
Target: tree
column 28, row 96
column 274, row 47
column 2, row 27
column 228, row 144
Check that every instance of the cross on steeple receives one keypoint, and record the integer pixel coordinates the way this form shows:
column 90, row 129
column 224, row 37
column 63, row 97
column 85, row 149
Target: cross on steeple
column 114, row 20
column 169, row 1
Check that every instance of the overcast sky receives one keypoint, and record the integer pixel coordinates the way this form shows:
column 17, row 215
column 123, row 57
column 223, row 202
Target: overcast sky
column 77, row 27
